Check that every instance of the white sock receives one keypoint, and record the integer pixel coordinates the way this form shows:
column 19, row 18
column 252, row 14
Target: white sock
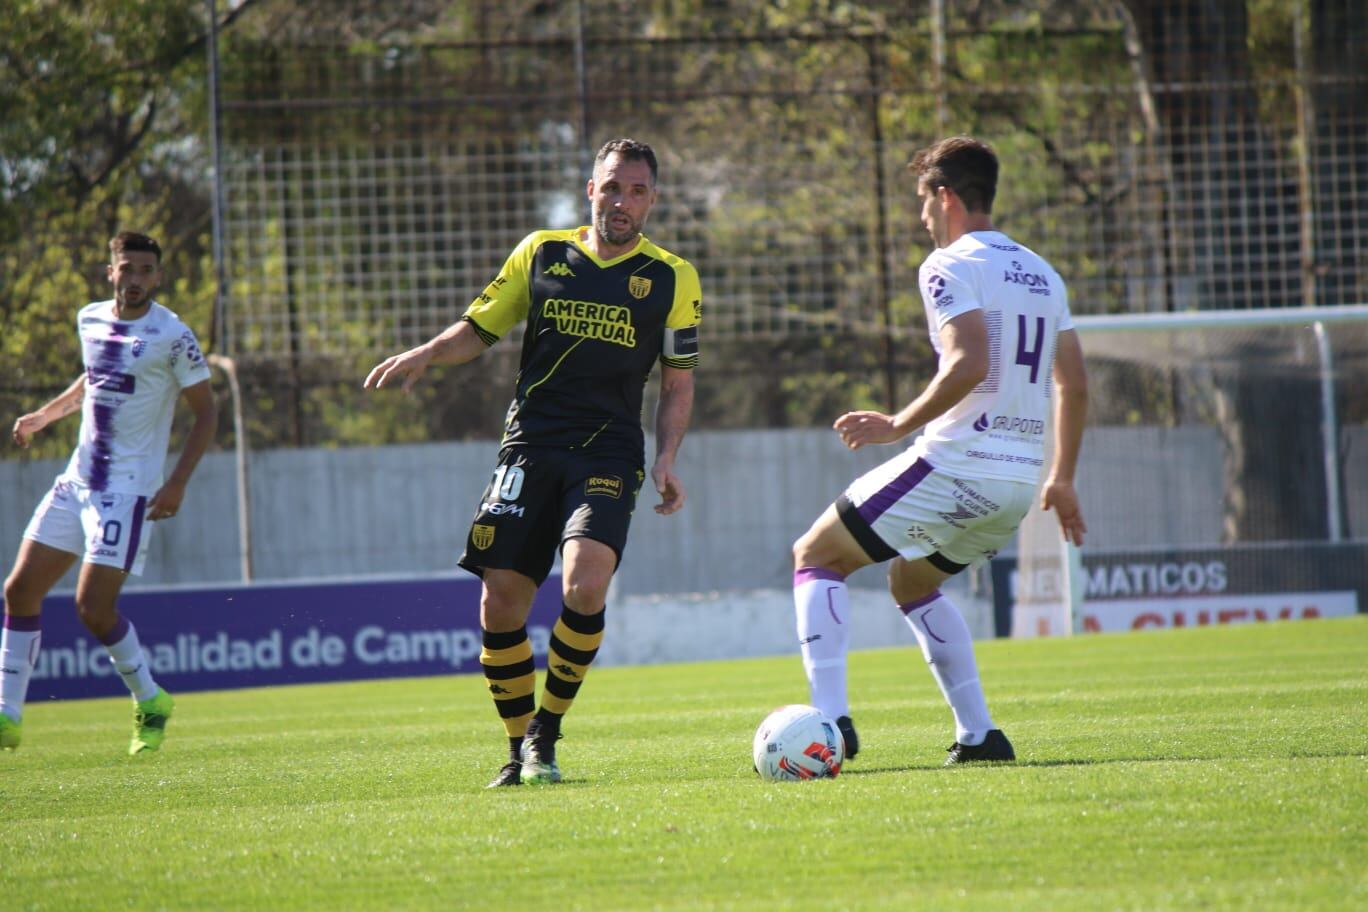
column 129, row 660
column 18, row 652
column 822, row 604
column 949, row 650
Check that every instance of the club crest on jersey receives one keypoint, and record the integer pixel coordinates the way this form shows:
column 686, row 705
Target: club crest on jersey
column 639, row 287
column 481, row 536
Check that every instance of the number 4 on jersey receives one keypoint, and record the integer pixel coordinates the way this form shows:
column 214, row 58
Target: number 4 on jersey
column 1030, row 357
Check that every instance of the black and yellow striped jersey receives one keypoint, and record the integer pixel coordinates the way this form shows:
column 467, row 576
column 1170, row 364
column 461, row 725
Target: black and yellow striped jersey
column 595, row 329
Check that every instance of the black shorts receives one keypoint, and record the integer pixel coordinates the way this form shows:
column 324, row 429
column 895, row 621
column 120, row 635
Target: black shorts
column 540, row 497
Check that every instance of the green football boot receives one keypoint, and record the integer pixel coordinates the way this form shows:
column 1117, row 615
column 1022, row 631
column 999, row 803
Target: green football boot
column 149, row 722
column 539, row 765
column 9, row 733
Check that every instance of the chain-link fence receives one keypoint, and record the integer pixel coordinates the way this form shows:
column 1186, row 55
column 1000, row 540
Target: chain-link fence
column 374, row 182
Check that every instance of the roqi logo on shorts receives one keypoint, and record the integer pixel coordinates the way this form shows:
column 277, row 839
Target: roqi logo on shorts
column 607, row 485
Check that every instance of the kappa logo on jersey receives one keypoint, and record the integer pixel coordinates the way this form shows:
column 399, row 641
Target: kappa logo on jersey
column 639, row 287
column 607, row 485
column 481, row 536
column 1035, row 282
column 559, row 269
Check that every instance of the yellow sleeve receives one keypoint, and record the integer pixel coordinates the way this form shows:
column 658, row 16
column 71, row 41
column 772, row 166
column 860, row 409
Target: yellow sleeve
column 680, row 348
column 505, row 301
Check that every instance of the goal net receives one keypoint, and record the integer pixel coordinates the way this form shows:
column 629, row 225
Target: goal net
column 1224, row 477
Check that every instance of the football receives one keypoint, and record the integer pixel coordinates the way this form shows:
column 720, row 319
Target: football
column 798, row 742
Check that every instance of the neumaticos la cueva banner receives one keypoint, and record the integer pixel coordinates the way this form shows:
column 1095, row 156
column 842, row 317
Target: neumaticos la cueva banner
column 1190, row 587
column 259, row 635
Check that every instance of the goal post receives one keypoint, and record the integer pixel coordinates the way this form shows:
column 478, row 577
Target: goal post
column 1215, row 440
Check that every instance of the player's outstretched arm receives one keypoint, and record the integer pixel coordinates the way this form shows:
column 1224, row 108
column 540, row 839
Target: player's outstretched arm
column 672, row 420
column 167, row 501
column 963, row 365
column 457, row 344
column 1071, row 408
column 66, row 402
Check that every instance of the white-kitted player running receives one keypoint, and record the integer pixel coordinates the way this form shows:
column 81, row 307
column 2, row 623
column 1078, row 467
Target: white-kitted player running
column 139, row 359
column 999, row 320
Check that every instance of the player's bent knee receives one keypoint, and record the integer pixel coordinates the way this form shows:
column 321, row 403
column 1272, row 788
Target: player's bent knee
column 587, row 595
column 99, row 619
column 21, row 596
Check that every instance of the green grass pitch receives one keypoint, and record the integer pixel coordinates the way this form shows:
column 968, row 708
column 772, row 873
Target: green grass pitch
column 1211, row 768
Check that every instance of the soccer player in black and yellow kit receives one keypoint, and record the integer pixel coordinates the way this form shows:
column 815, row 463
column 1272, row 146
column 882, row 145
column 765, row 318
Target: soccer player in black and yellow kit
column 602, row 305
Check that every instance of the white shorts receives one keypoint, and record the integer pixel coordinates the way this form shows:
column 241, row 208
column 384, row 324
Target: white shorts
column 104, row 528
column 907, row 507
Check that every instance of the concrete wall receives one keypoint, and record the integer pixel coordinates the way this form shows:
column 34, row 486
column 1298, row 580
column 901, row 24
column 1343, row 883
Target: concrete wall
column 405, row 509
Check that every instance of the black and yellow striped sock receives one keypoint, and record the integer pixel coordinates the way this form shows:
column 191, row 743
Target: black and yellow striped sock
column 574, row 642
column 512, row 678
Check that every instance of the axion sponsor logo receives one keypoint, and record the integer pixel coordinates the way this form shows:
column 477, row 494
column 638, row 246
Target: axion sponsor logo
column 1034, row 281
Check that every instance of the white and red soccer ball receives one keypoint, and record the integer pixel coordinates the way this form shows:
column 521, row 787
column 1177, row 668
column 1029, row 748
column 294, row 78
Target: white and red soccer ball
column 797, row 743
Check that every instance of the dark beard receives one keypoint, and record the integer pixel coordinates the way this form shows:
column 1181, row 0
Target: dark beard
column 605, row 233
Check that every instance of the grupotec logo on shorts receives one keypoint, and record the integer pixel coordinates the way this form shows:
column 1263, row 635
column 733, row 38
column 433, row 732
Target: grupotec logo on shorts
column 605, row 485
column 481, row 536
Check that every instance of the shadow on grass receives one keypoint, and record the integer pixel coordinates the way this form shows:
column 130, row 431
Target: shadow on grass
column 1098, row 761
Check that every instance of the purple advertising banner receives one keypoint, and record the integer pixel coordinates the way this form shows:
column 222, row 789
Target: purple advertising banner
column 260, row 635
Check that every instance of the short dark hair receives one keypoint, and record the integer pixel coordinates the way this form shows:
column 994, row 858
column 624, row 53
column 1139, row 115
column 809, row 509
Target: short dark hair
column 128, row 241
column 966, row 165
column 629, row 150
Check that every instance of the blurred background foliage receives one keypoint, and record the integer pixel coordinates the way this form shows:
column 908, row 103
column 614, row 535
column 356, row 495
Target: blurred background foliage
column 783, row 127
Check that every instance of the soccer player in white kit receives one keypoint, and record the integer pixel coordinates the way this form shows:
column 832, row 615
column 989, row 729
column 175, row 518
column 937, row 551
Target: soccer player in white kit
column 999, row 321
column 139, row 358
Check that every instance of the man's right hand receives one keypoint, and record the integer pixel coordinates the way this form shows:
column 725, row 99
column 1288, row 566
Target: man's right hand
column 1061, row 497
column 410, row 366
column 25, row 426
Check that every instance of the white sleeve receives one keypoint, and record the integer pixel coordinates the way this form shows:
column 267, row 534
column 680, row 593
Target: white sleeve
column 945, row 289
column 187, row 361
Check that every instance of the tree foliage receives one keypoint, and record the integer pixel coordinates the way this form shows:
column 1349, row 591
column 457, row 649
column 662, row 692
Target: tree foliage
column 786, row 126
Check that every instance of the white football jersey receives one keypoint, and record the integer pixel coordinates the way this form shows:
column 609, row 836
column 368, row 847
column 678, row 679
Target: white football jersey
column 135, row 370
column 998, row 430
